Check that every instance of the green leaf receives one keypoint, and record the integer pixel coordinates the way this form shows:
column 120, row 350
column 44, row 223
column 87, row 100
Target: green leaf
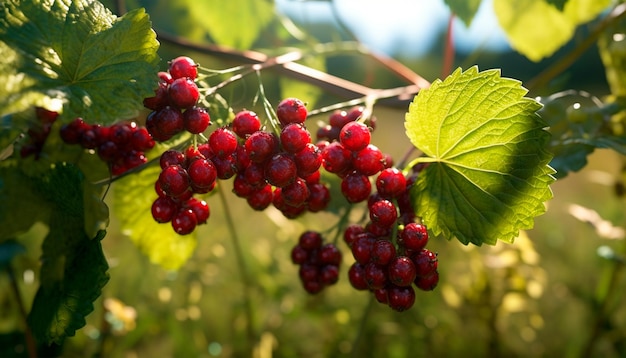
column 537, row 29
column 487, row 175
column 464, row 9
column 233, row 23
column 133, row 198
column 73, row 269
column 26, row 206
column 79, row 52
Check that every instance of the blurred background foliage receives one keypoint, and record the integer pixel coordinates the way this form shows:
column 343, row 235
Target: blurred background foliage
column 554, row 292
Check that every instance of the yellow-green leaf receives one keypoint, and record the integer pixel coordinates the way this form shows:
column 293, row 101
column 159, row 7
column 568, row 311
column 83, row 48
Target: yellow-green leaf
column 488, row 173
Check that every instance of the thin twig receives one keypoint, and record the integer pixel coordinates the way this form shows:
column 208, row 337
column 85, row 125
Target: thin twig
column 31, row 346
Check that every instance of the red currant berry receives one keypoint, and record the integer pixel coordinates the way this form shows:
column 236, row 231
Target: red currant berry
column 401, row 271
column 413, row 237
column 356, row 187
column 261, row 145
column 163, row 209
column 329, row 254
column 427, row 283
column 310, row 240
column 174, row 180
column 200, row 209
column 184, row 222
column 390, row 183
column 383, row 251
column 294, row 137
column 196, row 120
column 171, row 157
column 369, row 161
column 336, row 158
column 356, row 276
column 299, row 255
column 168, row 122
column 425, row 262
column 260, row 199
column 383, row 213
column 319, row 197
column 400, row 298
column 223, row 142
column 355, row 136
column 280, row 170
column 183, row 93
column 142, row 140
column 183, row 66
column 245, row 123
column 296, row 193
column 202, row 174
column 308, row 160
column 291, row 110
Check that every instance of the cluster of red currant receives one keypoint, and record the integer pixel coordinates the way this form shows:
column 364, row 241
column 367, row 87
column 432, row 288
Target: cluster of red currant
column 121, row 145
column 282, row 169
column 38, row 132
column 182, row 176
column 174, row 105
column 319, row 263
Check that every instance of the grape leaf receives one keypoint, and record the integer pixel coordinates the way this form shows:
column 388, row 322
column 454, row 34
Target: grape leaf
column 79, row 52
column 133, row 198
column 74, row 268
column 487, row 175
column 537, row 29
column 464, row 9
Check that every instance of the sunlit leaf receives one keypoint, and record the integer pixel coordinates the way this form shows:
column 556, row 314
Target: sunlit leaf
column 133, row 198
column 81, row 53
column 487, row 175
column 536, row 28
column 232, row 23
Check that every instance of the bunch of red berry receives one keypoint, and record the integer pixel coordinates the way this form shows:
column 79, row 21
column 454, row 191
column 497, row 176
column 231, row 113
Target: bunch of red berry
column 174, row 105
column 388, row 269
column 121, row 145
column 38, row 132
column 319, row 264
column 282, row 169
column 184, row 174
column 351, row 156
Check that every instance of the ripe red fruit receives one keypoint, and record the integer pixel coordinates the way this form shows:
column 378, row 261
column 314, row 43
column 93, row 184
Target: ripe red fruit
column 223, row 142
column 291, row 110
column 355, row 136
column 202, row 174
column 280, row 170
column 183, row 66
column 356, row 276
column 427, row 283
column 163, row 209
column 245, row 123
column 390, row 183
column 261, row 145
column 336, row 158
column 383, row 251
column 184, row 221
column 383, row 213
column 355, row 187
column 168, row 122
column 369, row 160
column 401, row 271
column 310, row 240
column 174, row 180
column 294, row 137
column 400, row 298
column 183, row 93
column 413, row 237
column 196, row 120
column 260, row 199
column 200, row 209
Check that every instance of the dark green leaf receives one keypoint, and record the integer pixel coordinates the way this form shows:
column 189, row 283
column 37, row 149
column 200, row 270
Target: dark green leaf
column 73, row 268
column 79, row 52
